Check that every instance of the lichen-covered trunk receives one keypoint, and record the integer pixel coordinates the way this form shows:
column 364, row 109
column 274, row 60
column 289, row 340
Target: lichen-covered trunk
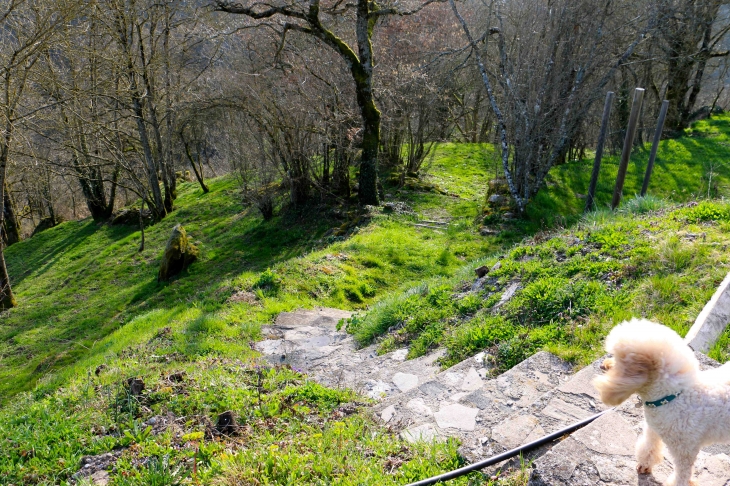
column 363, row 74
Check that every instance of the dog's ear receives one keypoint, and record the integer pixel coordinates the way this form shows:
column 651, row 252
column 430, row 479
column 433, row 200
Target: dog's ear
column 626, row 375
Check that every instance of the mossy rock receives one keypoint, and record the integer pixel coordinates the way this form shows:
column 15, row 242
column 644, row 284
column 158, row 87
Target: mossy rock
column 179, row 254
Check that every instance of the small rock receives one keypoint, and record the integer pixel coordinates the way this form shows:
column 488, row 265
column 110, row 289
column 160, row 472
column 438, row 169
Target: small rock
column 388, row 413
column 424, row 432
column 496, row 267
column 487, row 231
column 497, row 199
column 177, row 377
column 417, row 405
column 100, row 478
column 472, row 381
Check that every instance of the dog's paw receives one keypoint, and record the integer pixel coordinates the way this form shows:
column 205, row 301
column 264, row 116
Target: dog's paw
column 607, row 364
column 643, row 469
column 672, row 481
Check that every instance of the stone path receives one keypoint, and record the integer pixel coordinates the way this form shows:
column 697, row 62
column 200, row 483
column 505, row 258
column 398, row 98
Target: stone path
column 309, row 341
column 488, row 414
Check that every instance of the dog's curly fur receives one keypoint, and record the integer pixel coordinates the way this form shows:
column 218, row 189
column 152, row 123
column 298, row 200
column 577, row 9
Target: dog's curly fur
column 653, row 361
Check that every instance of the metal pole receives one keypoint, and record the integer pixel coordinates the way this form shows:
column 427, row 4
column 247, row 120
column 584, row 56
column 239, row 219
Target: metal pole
column 628, row 145
column 590, row 201
column 655, row 146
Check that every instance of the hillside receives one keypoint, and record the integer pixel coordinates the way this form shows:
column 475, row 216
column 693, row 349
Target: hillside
column 92, row 315
column 80, row 282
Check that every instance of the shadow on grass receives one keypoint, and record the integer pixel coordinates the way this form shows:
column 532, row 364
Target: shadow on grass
column 90, row 281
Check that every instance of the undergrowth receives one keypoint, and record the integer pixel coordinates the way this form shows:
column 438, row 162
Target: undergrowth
column 569, row 288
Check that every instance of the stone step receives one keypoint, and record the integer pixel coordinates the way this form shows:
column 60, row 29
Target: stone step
column 308, row 340
column 603, row 452
column 462, row 402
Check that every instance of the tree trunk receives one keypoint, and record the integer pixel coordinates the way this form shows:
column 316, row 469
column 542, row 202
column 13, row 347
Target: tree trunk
column 11, row 224
column 363, row 75
column 198, row 174
column 7, row 299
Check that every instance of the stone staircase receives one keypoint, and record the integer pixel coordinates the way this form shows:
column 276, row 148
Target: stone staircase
column 489, row 415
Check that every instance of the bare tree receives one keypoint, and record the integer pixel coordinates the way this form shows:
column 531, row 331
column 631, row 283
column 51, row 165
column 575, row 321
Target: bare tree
column 547, row 79
column 689, row 33
column 28, row 28
column 311, row 19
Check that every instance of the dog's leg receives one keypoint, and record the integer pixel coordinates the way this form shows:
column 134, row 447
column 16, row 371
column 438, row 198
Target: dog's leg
column 649, row 450
column 684, row 456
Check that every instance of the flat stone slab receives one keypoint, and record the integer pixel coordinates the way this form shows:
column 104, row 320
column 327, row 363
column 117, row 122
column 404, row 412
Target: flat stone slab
column 320, row 317
column 424, row 432
column 521, row 430
column 602, row 453
column 456, row 416
column 472, row 380
column 467, row 404
column 405, row 381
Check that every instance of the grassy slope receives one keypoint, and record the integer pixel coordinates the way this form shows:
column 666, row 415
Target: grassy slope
column 80, row 283
column 88, row 298
column 89, row 301
column 684, row 170
column 575, row 284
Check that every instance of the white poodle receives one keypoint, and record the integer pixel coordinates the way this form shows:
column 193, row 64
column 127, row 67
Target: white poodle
column 684, row 408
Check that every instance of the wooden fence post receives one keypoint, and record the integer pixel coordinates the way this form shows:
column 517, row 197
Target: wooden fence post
column 654, row 146
column 628, row 145
column 590, row 198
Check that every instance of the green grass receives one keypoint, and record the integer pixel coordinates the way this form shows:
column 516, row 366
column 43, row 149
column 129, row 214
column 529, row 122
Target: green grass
column 83, row 287
column 574, row 285
column 694, row 166
column 91, row 314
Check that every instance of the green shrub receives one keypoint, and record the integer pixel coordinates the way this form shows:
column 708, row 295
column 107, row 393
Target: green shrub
column 316, row 395
column 551, row 299
column 268, row 280
column 610, row 237
column 643, row 205
column 353, row 294
column 476, row 335
column 705, row 211
column 367, row 290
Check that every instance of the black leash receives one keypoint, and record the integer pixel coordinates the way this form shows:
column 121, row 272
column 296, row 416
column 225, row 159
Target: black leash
column 507, row 455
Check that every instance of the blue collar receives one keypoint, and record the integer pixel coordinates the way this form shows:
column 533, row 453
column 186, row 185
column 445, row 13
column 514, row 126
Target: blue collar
column 662, row 401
